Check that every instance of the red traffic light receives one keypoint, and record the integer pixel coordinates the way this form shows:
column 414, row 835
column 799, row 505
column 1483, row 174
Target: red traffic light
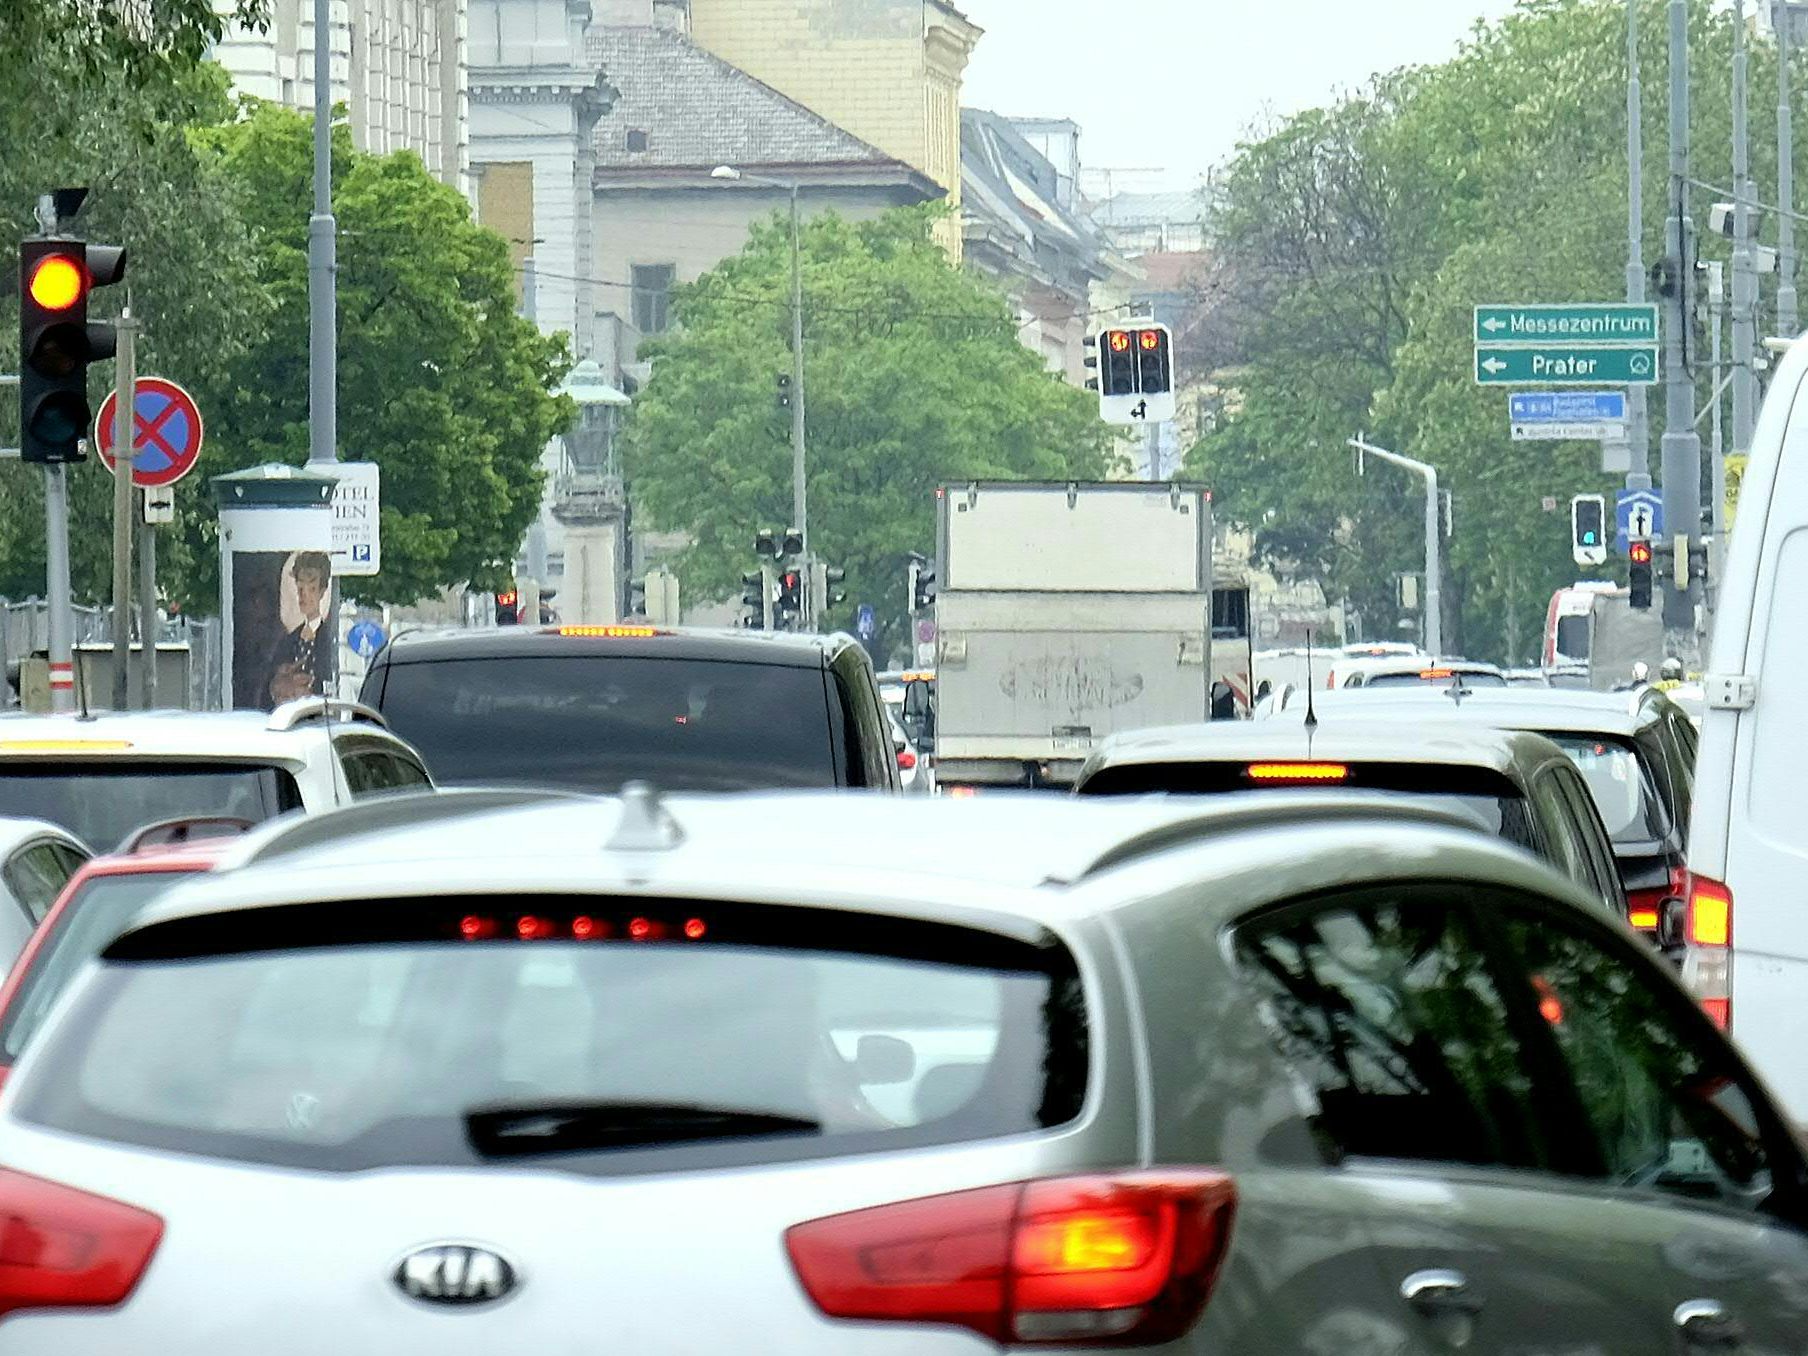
column 1639, row 552
column 1119, row 341
column 58, row 282
column 1150, row 339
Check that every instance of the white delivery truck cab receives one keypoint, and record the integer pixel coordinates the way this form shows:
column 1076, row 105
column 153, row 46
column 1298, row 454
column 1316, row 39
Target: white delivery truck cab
column 1745, row 924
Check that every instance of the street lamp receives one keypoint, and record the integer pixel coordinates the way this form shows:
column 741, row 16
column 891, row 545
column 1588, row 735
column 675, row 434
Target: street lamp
column 799, row 507
column 1433, row 637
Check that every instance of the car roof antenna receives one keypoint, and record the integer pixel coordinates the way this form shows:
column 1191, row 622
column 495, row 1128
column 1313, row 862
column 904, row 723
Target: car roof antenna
column 1311, row 714
column 81, row 684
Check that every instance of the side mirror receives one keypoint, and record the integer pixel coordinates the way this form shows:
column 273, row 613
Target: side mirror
column 884, row 1059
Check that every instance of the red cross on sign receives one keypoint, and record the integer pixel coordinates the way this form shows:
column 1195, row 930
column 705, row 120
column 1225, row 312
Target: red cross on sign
column 166, row 432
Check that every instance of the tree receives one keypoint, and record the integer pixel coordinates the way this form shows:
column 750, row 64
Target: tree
column 440, row 381
column 915, row 376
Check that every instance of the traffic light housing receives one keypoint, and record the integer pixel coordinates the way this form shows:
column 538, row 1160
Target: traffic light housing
column 1117, row 363
column 1154, row 361
column 1588, row 529
column 57, row 342
column 756, row 597
column 508, row 608
column 637, row 597
column 1639, row 574
column 921, row 583
column 783, row 391
column 790, row 595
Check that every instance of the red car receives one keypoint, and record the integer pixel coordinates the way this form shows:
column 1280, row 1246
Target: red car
column 89, row 913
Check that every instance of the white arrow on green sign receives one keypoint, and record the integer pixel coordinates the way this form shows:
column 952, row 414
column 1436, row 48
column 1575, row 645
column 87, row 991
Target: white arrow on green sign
column 1567, row 365
column 1581, row 323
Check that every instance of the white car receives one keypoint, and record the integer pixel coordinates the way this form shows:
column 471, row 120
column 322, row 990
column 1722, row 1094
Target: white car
column 104, row 777
column 1746, row 924
column 36, row 860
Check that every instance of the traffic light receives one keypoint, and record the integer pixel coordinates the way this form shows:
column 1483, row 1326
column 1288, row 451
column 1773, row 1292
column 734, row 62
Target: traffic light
column 637, row 597
column 1155, row 364
column 57, row 342
column 1639, row 575
column 829, row 592
column 508, row 608
column 756, row 598
column 784, row 391
column 1588, row 529
column 790, row 596
column 921, row 580
column 793, row 544
column 1117, row 350
column 765, row 545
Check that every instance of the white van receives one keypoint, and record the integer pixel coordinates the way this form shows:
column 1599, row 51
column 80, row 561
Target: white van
column 1746, row 922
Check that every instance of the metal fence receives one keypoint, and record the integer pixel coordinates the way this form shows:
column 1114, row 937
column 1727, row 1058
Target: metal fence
column 25, row 631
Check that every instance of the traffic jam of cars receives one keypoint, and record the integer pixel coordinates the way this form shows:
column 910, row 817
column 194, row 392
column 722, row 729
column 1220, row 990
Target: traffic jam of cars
column 719, row 975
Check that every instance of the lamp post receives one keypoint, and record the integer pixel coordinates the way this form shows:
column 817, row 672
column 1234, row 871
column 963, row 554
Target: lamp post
column 799, row 500
column 1434, row 531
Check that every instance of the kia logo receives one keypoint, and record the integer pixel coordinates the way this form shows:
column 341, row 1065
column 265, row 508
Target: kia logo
column 455, row 1273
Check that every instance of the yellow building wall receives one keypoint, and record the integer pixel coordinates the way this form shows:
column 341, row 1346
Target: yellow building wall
column 866, row 65
column 505, row 203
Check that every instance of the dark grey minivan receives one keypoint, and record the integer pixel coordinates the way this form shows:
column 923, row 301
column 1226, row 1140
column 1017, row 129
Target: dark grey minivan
column 591, row 708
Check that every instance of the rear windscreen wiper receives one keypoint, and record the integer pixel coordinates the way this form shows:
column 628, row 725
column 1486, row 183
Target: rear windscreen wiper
column 518, row 1131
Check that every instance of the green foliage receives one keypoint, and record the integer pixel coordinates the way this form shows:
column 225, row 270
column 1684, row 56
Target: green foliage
column 1351, row 244
column 914, row 375
column 439, row 380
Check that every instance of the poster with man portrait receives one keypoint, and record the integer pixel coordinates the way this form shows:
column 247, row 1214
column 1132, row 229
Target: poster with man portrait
column 284, row 627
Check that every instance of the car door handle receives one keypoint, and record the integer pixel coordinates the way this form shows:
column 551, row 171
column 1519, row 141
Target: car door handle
column 1706, row 1323
column 1440, row 1291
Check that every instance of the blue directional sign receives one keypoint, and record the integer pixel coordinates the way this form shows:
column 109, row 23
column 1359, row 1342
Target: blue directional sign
column 365, row 638
column 866, row 622
column 1639, row 514
column 1567, row 407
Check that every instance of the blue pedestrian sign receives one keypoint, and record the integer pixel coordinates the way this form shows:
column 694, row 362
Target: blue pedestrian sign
column 365, row 638
column 1640, row 515
column 866, row 622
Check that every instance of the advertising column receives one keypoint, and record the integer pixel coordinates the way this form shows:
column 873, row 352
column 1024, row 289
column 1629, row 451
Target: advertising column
column 276, row 585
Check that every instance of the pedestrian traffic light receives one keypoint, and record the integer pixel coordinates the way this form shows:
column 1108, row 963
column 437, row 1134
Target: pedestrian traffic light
column 637, row 597
column 1588, row 529
column 784, row 390
column 57, row 342
column 921, row 581
column 790, row 596
column 1155, row 366
column 1639, row 575
column 756, row 599
column 829, row 592
column 508, row 608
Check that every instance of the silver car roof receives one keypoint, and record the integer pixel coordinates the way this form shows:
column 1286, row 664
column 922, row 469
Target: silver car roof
column 1005, row 856
column 1561, row 709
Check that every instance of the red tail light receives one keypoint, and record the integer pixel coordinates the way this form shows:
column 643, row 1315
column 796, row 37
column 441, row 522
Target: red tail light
column 1707, row 966
column 64, row 1249
column 906, row 759
column 1124, row 1260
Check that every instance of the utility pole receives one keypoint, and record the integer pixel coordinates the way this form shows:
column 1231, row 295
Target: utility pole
column 1745, row 272
column 1434, row 534
column 1638, row 472
column 125, row 381
column 323, row 299
column 800, row 518
column 1681, row 444
column 1788, row 321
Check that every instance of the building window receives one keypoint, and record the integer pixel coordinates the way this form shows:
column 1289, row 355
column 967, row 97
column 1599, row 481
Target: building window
column 637, row 141
column 653, row 297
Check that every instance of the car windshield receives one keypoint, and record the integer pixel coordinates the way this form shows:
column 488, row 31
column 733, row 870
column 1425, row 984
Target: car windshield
column 88, row 920
column 599, row 1056
column 597, row 721
column 103, row 802
column 1418, row 679
column 1623, row 792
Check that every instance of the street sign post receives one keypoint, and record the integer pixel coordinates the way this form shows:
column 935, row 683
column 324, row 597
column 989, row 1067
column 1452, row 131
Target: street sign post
column 1548, row 415
column 1584, row 323
column 365, row 638
column 1638, row 514
column 166, row 432
column 1566, row 365
column 357, row 537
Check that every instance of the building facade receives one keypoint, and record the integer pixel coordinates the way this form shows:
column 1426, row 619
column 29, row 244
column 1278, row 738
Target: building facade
column 887, row 71
column 399, row 67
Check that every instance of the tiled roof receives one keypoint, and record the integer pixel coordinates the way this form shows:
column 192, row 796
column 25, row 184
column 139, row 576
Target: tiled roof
column 696, row 110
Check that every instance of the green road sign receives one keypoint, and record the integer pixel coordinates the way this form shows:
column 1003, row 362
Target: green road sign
column 1604, row 323
column 1567, row 365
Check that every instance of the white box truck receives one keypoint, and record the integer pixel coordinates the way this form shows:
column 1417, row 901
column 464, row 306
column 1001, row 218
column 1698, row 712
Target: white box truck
column 1066, row 613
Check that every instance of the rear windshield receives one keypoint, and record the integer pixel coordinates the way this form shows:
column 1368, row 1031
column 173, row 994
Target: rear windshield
column 90, row 919
column 103, row 803
column 596, row 721
column 1488, row 800
column 1442, row 680
column 584, row 1053
column 1623, row 792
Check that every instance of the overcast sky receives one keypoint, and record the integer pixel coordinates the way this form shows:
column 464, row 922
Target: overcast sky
column 1175, row 88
